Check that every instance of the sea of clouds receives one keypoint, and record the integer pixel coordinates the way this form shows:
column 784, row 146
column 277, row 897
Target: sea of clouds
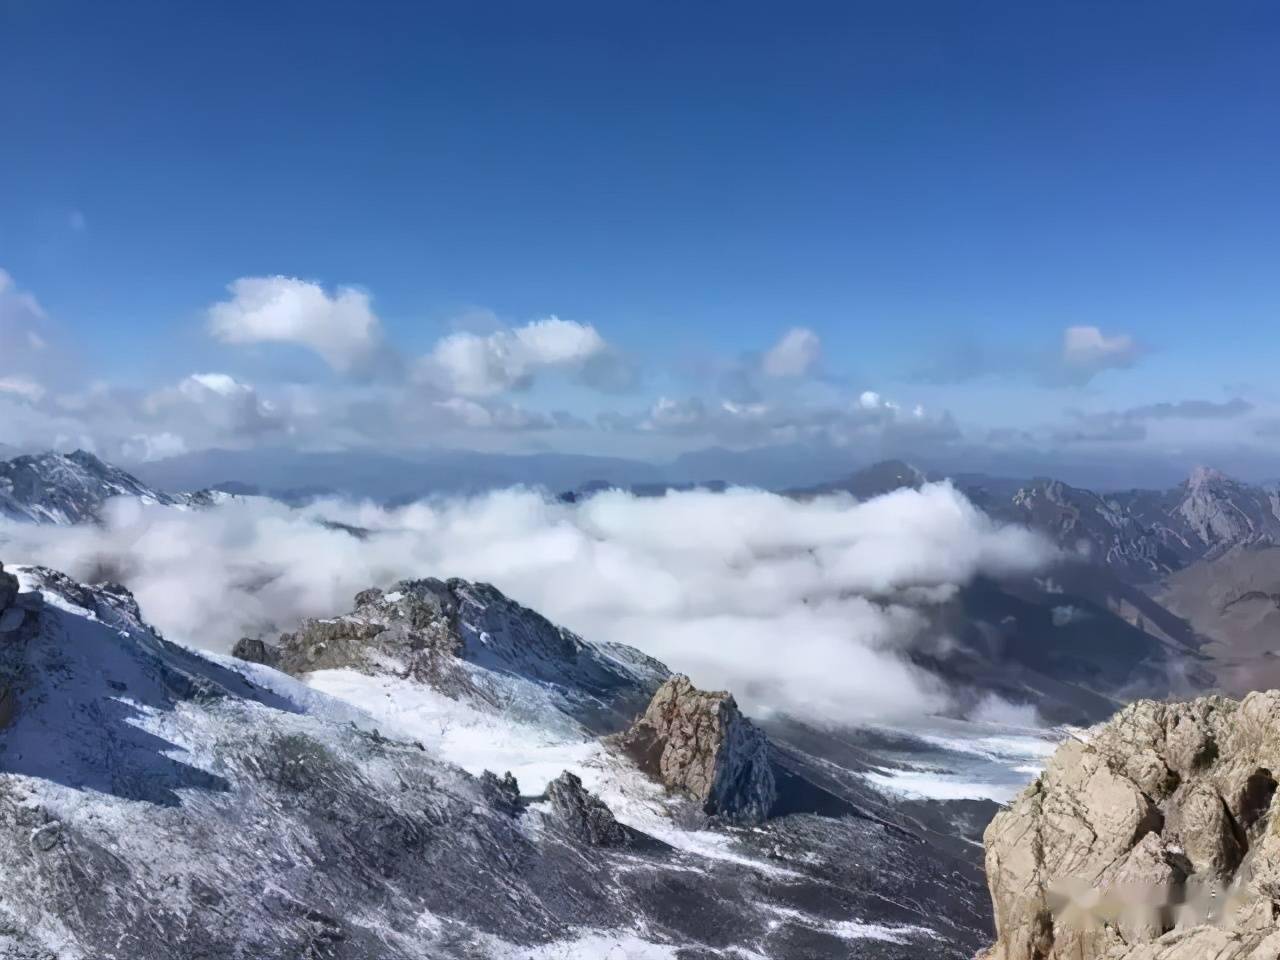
column 797, row 606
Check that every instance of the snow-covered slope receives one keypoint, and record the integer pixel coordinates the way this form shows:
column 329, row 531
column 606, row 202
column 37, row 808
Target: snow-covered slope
column 473, row 643
column 156, row 802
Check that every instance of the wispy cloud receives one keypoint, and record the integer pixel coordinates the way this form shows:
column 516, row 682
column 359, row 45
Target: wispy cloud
column 1087, row 351
column 797, row 354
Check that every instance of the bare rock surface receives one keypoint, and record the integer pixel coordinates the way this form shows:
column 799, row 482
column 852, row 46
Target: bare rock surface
column 699, row 743
column 582, row 814
column 1149, row 838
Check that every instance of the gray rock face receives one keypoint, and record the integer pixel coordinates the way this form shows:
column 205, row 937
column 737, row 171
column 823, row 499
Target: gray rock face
column 1154, row 839
column 18, row 620
column 583, row 815
column 253, row 650
column 8, row 589
column 501, row 793
column 699, row 743
column 1146, row 534
column 458, row 637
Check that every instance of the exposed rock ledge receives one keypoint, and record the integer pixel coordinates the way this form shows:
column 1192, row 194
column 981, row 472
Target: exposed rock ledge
column 1152, row 838
column 699, row 743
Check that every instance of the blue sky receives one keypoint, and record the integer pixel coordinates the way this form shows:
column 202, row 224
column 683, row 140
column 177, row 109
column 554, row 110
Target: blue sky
column 936, row 191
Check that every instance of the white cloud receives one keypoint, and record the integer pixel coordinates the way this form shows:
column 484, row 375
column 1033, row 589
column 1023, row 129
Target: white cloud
column 801, row 607
column 144, row 448
column 17, row 303
column 215, row 407
column 340, row 327
column 676, row 415
column 463, row 412
column 481, row 365
column 868, row 421
column 22, row 331
column 1087, row 351
column 23, row 387
column 223, row 384
column 795, row 355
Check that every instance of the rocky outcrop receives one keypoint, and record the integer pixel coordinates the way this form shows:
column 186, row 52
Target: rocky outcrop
column 11, row 617
column 8, row 589
column 699, row 743
column 468, row 640
column 1151, row 838
column 18, row 622
column 583, row 815
column 501, row 792
column 256, row 650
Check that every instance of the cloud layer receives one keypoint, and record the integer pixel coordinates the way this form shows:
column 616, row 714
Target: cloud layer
column 799, row 607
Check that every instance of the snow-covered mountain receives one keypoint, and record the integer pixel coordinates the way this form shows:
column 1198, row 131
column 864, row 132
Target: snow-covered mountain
column 1147, row 534
column 163, row 803
column 1103, row 528
column 66, row 488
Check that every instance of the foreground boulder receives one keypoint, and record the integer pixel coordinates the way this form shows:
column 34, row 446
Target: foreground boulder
column 699, row 743
column 583, row 815
column 1152, row 838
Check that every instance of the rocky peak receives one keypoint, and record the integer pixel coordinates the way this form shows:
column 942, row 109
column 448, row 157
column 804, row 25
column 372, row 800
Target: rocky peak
column 468, row 640
column 1153, row 838
column 65, row 488
column 1202, row 476
column 1221, row 512
column 699, row 743
column 582, row 814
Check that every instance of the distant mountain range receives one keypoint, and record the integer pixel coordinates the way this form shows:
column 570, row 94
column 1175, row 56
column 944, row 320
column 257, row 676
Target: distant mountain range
column 1141, row 535
column 1139, row 565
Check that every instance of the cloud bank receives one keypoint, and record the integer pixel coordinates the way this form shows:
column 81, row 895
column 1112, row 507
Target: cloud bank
column 798, row 607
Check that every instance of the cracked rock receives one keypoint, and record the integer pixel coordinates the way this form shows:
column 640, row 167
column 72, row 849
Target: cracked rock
column 699, row 743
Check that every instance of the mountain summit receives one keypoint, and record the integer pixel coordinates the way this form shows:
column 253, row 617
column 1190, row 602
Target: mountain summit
column 66, row 488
